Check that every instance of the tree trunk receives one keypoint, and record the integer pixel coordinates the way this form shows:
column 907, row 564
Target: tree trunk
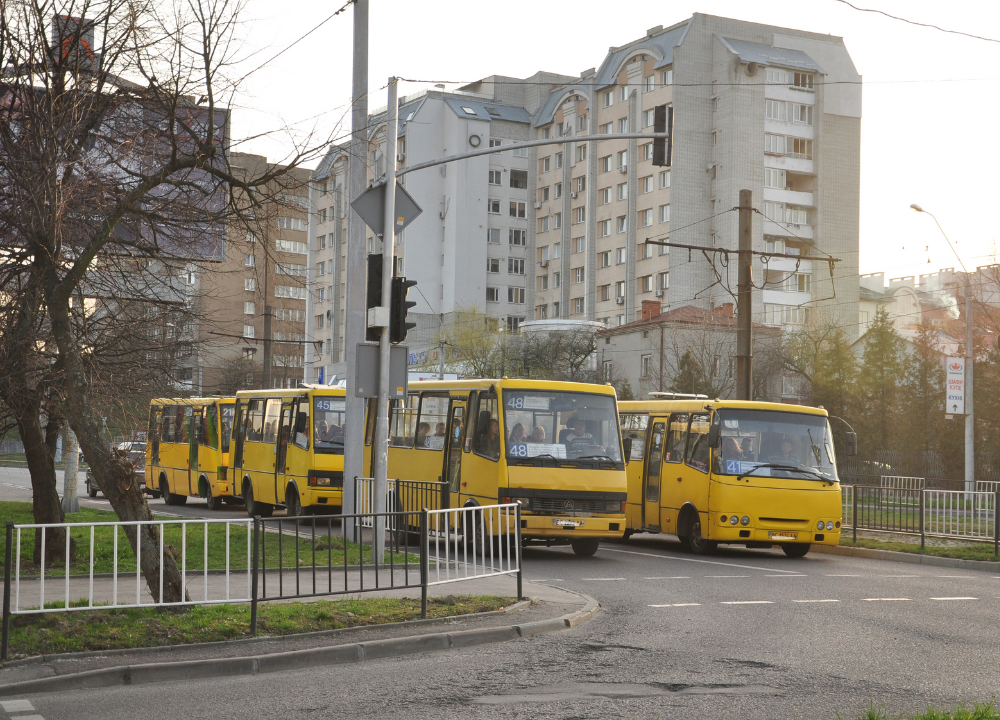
column 45, row 504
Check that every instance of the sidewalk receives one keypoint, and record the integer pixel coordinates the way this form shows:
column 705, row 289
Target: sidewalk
column 550, row 609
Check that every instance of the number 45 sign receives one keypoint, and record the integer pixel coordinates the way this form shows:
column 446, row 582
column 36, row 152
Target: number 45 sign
column 955, row 386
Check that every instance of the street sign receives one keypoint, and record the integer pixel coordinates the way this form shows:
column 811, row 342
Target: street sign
column 370, row 206
column 367, row 371
column 955, row 386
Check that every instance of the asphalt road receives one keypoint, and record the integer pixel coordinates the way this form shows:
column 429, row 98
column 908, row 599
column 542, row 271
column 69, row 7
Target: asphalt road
column 742, row 634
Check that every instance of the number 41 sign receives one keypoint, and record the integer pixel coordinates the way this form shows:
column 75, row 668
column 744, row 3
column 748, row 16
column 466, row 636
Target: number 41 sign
column 955, row 386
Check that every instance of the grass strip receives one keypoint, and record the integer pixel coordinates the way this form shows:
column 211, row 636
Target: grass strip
column 51, row 633
column 972, row 551
column 979, row 712
column 329, row 547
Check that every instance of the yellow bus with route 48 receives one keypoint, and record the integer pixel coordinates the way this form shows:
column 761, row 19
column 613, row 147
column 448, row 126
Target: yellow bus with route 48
column 187, row 453
column 552, row 447
column 288, row 450
column 724, row 471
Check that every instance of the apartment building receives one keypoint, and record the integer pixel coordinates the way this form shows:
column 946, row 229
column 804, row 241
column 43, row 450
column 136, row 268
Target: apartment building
column 263, row 273
column 560, row 231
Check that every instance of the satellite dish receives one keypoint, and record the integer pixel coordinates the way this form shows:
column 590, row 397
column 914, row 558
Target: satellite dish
column 752, row 68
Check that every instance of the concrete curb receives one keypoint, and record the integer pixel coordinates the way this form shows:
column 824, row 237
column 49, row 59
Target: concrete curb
column 41, row 659
column 871, row 554
column 299, row 659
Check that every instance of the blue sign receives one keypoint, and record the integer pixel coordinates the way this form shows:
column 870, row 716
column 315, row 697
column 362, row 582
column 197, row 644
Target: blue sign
column 319, row 378
column 738, row 467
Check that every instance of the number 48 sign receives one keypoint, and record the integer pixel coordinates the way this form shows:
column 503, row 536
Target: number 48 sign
column 955, row 386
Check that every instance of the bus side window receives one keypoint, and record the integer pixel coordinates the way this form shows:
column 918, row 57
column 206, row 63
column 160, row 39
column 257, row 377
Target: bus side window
column 634, row 426
column 167, row 432
column 210, row 427
column 470, row 425
column 255, row 420
column 271, row 415
column 432, row 428
column 198, row 417
column 301, row 439
column 697, row 449
column 370, row 421
column 675, row 440
column 403, row 421
column 487, row 439
column 182, row 429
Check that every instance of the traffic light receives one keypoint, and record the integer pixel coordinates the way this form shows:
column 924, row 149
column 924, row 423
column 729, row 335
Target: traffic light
column 373, row 297
column 663, row 120
column 398, row 326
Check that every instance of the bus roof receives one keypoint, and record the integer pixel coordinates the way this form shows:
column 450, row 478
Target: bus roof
column 193, row 400
column 649, row 406
column 511, row 383
column 326, row 390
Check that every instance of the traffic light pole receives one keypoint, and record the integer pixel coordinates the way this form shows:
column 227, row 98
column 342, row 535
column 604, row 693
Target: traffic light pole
column 381, row 319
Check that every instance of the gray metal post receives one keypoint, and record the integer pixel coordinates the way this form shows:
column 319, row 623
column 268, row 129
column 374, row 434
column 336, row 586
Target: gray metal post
column 441, row 359
column 357, row 272
column 970, row 424
column 854, row 513
column 744, row 318
column 923, row 514
column 6, row 592
column 996, row 525
column 517, row 546
column 425, row 549
column 253, row 576
column 381, row 440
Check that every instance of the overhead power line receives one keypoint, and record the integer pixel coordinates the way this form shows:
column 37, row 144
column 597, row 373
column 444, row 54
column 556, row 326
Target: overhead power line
column 918, row 24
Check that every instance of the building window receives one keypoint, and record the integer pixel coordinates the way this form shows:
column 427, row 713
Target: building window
column 608, row 98
column 801, row 148
column 578, row 305
column 515, row 295
column 544, row 165
column 514, row 322
column 580, row 184
column 517, row 237
column 647, row 118
column 620, row 289
column 248, row 331
column 646, row 184
column 515, row 266
column 294, row 269
column 607, row 128
column 664, row 179
column 557, row 190
column 287, row 223
column 555, row 309
column 543, row 224
column 293, row 292
column 623, row 125
column 619, row 256
column 803, row 81
column 321, row 242
column 496, row 177
column 492, row 294
column 606, row 369
column 774, row 144
column 604, row 228
column 774, row 178
column 495, row 142
column 644, row 362
column 577, row 275
column 775, row 110
column 543, row 254
column 786, row 315
column 664, row 213
column 518, row 209
column 623, row 93
column 557, row 221
column 662, row 281
column 543, row 194
column 604, row 195
column 520, row 152
column 543, row 282
column 492, row 265
column 579, row 215
column 555, row 280
column 798, row 282
column 493, row 207
column 623, row 158
column 775, row 77
column 649, row 84
column 646, row 284
column 622, row 191
column 555, row 250
column 250, row 284
column 519, row 179
column 605, row 164
column 251, row 238
column 541, row 312
column 249, row 308
column 647, row 151
column 250, row 260
column 644, row 251
column 604, row 259
column 667, row 77
column 319, row 322
column 621, row 223
column 581, row 122
column 579, row 245
column 558, row 160
column 802, row 114
column 291, row 246
column 493, row 236
column 604, row 292
column 645, row 218
column 581, row 153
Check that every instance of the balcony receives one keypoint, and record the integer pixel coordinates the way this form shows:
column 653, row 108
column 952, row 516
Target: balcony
column 787, row 265
column 780, row 297
column 788, row 230
column 778, row 127
column 789, row 197
column 790, row 94
column 790, row 163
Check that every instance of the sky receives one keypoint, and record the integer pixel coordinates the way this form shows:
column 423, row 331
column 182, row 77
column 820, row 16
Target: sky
column 930, row 98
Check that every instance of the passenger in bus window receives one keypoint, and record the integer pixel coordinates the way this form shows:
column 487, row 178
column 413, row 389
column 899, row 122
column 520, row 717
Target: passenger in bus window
column 731, row 449
column 440, row 430
column 517, row 435
column 322, row 430
column 422, row 430
column 490, row 441
column 537, row 434
column 579, row 436
column 787, row 457
column 746, row 447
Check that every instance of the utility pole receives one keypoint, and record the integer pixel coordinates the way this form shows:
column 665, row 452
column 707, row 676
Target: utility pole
column 354, row 322
column 441, row 358
column 266, row 379
column 744, row 317
column 381, row 440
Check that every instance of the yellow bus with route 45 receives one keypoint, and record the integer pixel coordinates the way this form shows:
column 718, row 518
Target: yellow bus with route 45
column 288, row 450
column 552, row 447
column 724, row 471
column 187, row 453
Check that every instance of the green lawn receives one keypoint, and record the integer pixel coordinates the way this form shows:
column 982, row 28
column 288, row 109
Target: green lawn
column 328, row 550
column 147, row 627
column 972, row 551
column 979, row 712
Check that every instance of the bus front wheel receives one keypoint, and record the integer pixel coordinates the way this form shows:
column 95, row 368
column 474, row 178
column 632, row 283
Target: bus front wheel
column 696, row 542
column 170, row 498
column 795, row 550
column 585, row 547
column 254, row 507
column 292, row 504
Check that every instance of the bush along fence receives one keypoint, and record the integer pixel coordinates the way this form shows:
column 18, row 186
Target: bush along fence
column 902, row 505
column 257, row 560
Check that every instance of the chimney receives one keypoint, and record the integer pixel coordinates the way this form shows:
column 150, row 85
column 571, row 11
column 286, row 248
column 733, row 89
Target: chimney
column 726, row 310
column 651, row 308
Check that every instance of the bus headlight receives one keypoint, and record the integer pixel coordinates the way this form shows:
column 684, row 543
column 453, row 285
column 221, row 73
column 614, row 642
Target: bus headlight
column 819, row 525
column 745, row 520
column 615, row 506
column 829, row 525
column 734, row 520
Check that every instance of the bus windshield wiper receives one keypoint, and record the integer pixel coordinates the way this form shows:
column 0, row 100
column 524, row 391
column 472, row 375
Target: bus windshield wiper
column 791, row 468
column 594, row 457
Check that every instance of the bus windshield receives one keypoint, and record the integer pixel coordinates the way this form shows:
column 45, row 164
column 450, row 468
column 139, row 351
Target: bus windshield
column 329, row 414
column 562, row 425
column 770, row 443
column 227, row 424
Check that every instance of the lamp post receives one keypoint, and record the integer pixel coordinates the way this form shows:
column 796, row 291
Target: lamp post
column 970, row 436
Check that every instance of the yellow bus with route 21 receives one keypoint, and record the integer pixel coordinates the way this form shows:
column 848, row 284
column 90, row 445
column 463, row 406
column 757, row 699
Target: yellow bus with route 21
column 288, row 450
column 187, row 453
column 724, row 471
column 552, row 447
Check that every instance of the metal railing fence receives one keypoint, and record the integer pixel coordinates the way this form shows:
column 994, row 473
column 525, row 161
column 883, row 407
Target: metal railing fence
column 402, row 495
column 256, row 560
column 901, row 482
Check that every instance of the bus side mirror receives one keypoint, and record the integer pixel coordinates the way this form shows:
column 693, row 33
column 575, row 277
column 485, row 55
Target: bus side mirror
column 851, row 444
column 301, row 421
column 713, row 435
column 627, row 448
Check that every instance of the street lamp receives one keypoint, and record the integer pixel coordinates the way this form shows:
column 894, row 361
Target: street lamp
column 970, row 436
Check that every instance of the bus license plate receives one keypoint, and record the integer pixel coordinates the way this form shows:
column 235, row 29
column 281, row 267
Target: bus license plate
column 568, row 523
column 782, row 536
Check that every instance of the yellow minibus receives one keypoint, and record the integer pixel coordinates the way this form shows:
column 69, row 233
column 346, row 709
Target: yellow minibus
column 188, row 450
column 724, row 471
column 552, row 447
column 288, row 450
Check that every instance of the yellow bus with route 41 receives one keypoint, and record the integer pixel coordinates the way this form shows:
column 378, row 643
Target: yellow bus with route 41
column 552, row 447
column 724, row 471
column 288, row 450
column 187, row 453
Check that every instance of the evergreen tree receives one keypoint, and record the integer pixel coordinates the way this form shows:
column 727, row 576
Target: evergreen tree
column 880, row 381
column 690, row 376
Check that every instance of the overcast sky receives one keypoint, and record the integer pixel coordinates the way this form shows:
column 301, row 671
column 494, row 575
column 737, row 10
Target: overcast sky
column 930, row 107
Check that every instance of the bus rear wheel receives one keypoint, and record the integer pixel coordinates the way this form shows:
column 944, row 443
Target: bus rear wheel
column 253, row 507
column 212, row 502
column 585, row 547
column 795, row 550
column 170, row 498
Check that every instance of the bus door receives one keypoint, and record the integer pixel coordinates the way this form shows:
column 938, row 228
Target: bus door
column 454, row 450
column 239, row 423
column 192, row 421
column 674, row 486
column 652, row 476
column 281, row 449
column 153, row 435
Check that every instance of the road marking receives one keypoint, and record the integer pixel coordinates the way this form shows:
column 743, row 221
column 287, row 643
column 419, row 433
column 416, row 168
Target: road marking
column 958, row 577
column 747, row 602
column 707, row 562
column 884, row 599
column 677, row 605
column 671, row 577
column 900, row 576
column 12, row 706
column 725, row 576
column 549, row 580
column 601, row 579
column 842, row 576
column 814, row 601
column 786, row 576
column 955, row 598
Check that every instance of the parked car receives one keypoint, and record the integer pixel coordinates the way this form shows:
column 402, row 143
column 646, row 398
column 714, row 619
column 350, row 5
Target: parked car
column 136, row 452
